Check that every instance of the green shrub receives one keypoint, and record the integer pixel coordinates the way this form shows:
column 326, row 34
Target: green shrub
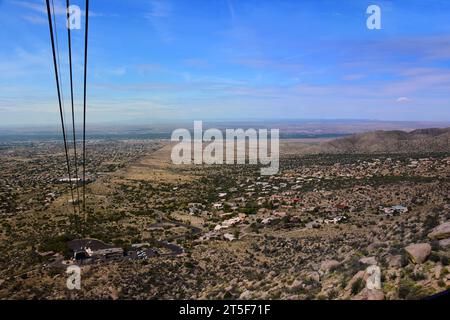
column 410, row 291
column 57, row 244
column 434, row 257
column 418, row 276
column 357, row 286
column 332, row 294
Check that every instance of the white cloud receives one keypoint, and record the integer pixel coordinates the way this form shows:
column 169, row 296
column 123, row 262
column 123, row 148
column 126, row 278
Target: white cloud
column 403, row 100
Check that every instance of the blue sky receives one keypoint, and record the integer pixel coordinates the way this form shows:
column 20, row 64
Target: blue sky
column 158, row 60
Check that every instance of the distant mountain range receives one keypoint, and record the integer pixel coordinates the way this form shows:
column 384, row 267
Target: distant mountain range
column 396, row 141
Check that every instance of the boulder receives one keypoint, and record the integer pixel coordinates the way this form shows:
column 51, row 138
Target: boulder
column 368, row 261
column 418, row 252
column 369, row 294
column 442, row 231
column 444, row 243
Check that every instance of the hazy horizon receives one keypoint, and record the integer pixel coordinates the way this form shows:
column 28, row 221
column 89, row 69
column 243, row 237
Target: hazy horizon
column 140, row 122
column 162, row 129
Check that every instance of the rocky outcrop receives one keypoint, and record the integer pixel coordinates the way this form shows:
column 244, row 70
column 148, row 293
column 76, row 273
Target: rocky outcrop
column 418, row 252
column 371, row 287
column 441, row 231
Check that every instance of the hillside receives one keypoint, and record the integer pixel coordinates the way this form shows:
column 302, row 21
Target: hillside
column 420, row 140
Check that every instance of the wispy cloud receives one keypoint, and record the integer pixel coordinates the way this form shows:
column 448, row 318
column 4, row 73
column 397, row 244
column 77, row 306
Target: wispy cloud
column 40, row 8
column 231, row 10
column 403, row 100
column 229, row 57
column 25, row 62
column 160, row 9
column 35, row 19
column 117, row 71
column 158, row 16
